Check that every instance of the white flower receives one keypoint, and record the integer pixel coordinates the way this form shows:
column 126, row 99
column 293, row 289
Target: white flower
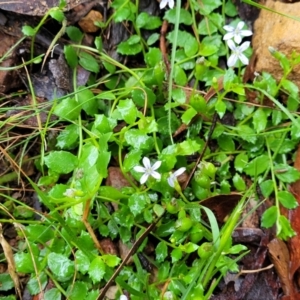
column 71, row 193
column 173, row 177
column 148, row 170
column 237, row 53
column 123, row 297
column 164, row 3
column 236, row 33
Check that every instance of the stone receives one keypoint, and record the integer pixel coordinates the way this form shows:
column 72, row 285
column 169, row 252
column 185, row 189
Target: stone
column 279, row 32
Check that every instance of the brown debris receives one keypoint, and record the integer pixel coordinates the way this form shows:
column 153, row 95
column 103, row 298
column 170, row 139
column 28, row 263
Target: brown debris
column 87, row 23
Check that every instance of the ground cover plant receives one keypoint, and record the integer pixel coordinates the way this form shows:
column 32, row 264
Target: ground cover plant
column 140, row 176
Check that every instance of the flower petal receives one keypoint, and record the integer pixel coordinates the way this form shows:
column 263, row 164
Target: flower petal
column 163, row 4
column 156, row 165
column 244, row 59
column 146, row 162
column 240, row 25
column 231, row 45
column 246, row 32
column 244, row 46
column 171, row 180
column 237, row 38
column 179, row 172
column 156, row 175
column 139, row 169
column 232, row 60
column 171, row 3
column 144, row 178
column 228, row 36
column 228, row 28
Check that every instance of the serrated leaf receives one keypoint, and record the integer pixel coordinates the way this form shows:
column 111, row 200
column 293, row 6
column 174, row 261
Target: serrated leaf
column 286, row 173
column 68, row 138
column 52, row 294
column 137, row 202
column 111, row 260
column 259, row 120
column 61, row 162
column 246, row 133
column 39, row 233
column 68, row 109
column 97, row 269
column 138, row 140
column 188, row 115
column 35, row 284
column 208, row 6
column 287, row 199
column 241, row 160
column 187, row 147
column 257, row 166
column 285, row 230
column 210, row 24
column 6, row 282
column 180, row 77
column 61, row 266
column 127, row 110
column 185, row 16
column 82, row 262
column 77, row 291
column 161, row 251
column 269, row 217
column 220, row 108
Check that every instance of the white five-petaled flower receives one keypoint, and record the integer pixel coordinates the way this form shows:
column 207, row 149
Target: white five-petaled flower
column 148, row 170
column 164, row 3
column 237, row 53
column 237, row 33
column 173, row 177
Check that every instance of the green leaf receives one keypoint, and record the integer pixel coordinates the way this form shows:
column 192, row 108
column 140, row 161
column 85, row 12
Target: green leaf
column 138, row 140
column 290, row 87
column 71, row 56
column 97, row 269
column 28, row 30
column 6, row 282
column 68, row 109
column 57, row 14
column 246, row 133
column 187, row 41
column 189, row 247
column 52, row 294
column 148, row 22
column 187, row 147
column 220, row 108
column 287, row 199
column 185, row 17
column 87, row 100
column 111, row 260
column 88, row 62
column 61, row 162
column 284, row 230
column 34, row 285
column 124, row 11
column 82, row 262
column 77, row 291
column 152, row 39
column 286, row 173
column 210, row 45
column 176, row 255
column 259, row 120
column 68, row 138
column 239, row 182
column 39, row 233
column 210, row 24
column 230, row 9
column 267, row 187
column 269, row 217
column 143, row 96
column 101, row 124
column 137, row 202
column 180, row 77
column 257, row 166
column 188, row 115
column 61, row 266
column 161, row 251
column 127, row 110
column 74, row 34
column 130, row 47
column 207, row 6
column 24, row 263
column 132, row 159
column 226, row 143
